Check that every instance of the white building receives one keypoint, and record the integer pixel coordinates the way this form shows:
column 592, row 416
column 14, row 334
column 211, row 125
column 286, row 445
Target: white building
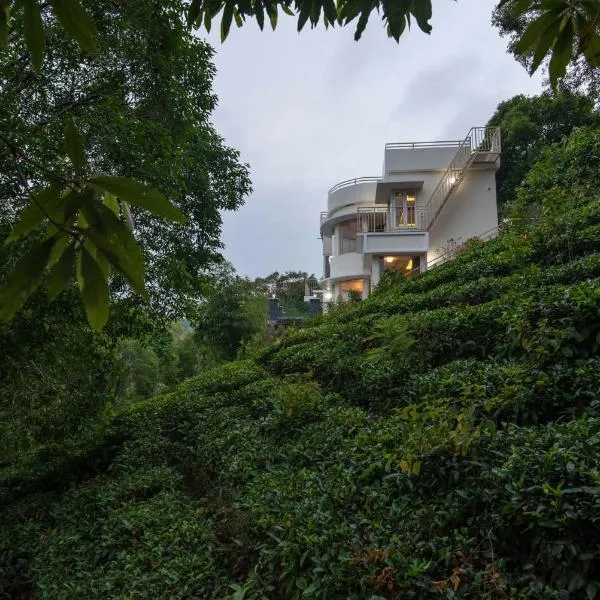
column 430, row 197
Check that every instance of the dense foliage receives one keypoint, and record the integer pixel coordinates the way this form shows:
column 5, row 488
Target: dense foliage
column 438, row 440
column 142, row 104
column 234, row 314
column 529, row 124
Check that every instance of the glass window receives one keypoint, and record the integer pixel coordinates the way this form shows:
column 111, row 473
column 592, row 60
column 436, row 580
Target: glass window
column 348, row 237
column 408, row 265
column 404, row 209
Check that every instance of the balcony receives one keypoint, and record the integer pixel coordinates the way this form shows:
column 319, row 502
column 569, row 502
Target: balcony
column 347, row 266
column 392, row 231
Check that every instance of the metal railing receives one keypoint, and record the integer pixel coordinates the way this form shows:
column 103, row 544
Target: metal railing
column 453, row 252
column 414, row 145
column 479, row 140
column 310, row 286
column 371, row 219
column 374, row 219
column 354, row 181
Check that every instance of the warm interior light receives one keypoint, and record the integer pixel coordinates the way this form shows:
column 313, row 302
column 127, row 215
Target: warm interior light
column 409, row 265
column 389, row 259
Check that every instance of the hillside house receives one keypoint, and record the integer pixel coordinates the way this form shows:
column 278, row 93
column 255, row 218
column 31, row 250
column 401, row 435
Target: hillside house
column 430, row 197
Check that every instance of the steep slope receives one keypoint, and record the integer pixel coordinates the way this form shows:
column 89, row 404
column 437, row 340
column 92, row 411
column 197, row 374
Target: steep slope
column 440, row 440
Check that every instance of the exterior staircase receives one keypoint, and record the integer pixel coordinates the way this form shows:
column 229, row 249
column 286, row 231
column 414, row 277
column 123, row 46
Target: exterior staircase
column 482, row 144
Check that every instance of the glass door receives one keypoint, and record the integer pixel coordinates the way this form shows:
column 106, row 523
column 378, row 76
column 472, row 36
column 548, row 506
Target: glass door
column 404, row 211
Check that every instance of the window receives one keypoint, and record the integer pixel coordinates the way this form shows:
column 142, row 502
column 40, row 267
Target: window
column 408, row 265
column 326, row 267
column 354, row 285
column 348, row 237
column 404, row 210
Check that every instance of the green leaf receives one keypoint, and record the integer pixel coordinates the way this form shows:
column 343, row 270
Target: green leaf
column 304, row 14
column 94, row 290
column 74, row 145
column 288, row 11
column 117, row 243
column 33, row 31
column 44, row 202
column 194, row 12
column 62, row 273
column 272, row 12
column 422, row 12
column 361, row 25
column 330, row 11
column 535, row 30
column 59, row 247
column 76, row 201
column 238, row 18
column 260, row 13
column 561, row 54
column 127, row 214
column 24, row 279
column 110, row 201
column 76, row 21
column 541, row 50
column 135, row 193
column 226, row 19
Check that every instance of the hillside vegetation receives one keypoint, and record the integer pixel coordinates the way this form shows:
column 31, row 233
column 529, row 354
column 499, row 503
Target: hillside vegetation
column 440, row 440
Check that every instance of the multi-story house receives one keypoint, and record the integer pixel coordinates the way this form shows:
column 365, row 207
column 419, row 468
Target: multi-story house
column 430, row 197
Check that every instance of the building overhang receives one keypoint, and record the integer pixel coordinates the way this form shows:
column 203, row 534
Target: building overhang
column 395, row 242
column 384, row 189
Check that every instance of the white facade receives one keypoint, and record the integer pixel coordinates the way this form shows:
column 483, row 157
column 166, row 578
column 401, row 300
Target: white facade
column 430, row 197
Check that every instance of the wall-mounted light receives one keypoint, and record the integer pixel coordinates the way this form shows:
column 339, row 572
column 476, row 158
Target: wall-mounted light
column 409, row 265
column 327, row 296
column 389, row 259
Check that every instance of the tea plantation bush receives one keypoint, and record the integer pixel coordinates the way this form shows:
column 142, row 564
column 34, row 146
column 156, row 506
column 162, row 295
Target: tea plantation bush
column 439, row 440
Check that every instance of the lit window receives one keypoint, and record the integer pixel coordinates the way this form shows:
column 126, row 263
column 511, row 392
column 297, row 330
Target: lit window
column 404, row 209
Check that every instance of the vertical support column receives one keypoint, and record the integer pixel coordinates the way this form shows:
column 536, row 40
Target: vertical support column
column 314, row 307
column 274, row 309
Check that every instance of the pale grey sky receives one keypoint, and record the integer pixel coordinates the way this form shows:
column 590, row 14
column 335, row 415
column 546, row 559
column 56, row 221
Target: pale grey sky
column 308, row 110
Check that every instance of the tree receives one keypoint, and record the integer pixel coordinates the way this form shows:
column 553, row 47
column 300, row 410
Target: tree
column 529, row 33
column 289, row 288
column 564, row 30
column 234, row 312
column 565, row 174
column 149, row 79
column 529, row 125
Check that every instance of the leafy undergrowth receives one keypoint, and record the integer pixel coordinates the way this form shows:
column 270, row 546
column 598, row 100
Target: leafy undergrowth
column 440, row 440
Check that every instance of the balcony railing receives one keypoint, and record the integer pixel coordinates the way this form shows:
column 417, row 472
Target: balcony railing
column 414, row 145
column 350, row 182
column 380, row 219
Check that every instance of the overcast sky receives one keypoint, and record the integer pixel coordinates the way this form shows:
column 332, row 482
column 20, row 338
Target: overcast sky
column 309, row 110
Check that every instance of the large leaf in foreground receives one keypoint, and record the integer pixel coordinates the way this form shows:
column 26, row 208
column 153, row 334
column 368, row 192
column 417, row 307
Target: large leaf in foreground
column 135, row 193
column 94, row 290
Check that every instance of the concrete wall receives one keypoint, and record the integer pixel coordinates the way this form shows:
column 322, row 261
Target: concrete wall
column 352, row 194
column 471, row 212
column 348, row 265
column 413, row 242
column 418, row 159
